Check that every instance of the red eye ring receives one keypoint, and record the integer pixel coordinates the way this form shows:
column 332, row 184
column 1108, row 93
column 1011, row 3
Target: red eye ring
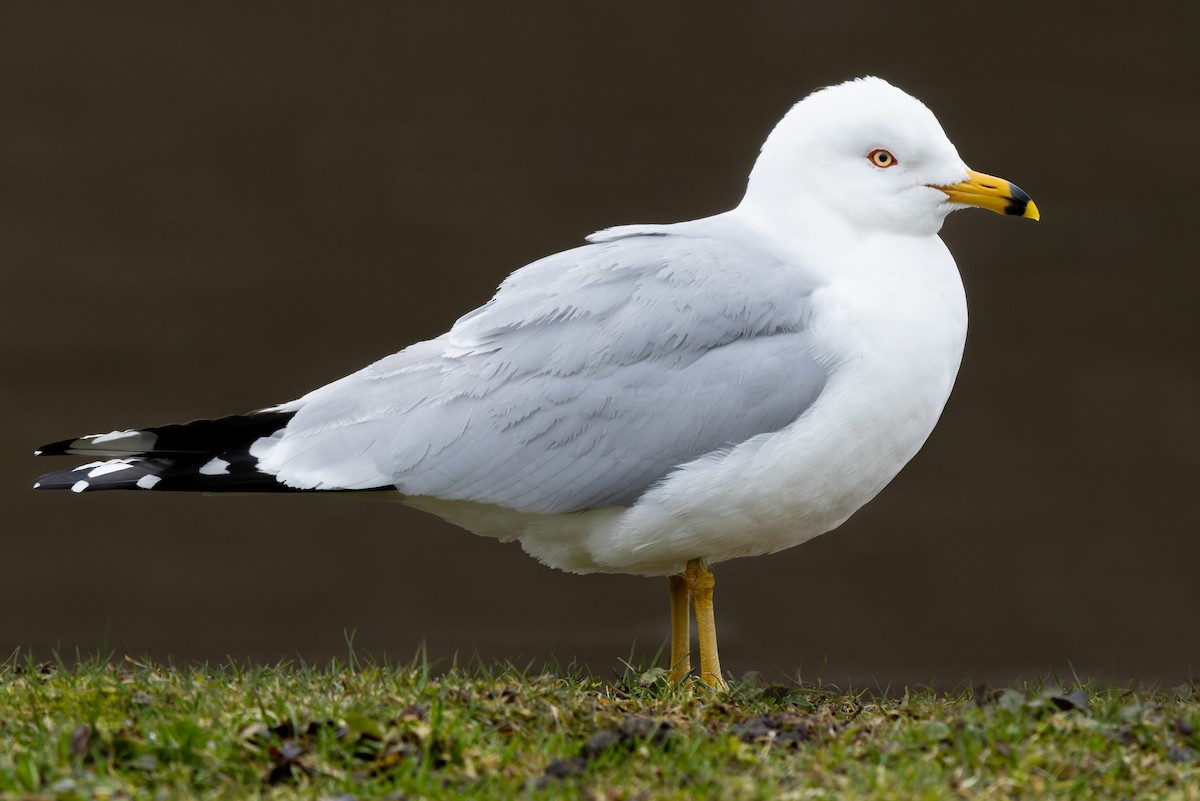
column 881, row 158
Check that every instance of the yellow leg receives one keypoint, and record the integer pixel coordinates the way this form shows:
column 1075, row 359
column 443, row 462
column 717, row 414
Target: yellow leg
column 700, row 583
column 681, row 634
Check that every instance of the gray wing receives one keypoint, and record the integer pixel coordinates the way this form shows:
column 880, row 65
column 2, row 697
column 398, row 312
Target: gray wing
column 588, row 377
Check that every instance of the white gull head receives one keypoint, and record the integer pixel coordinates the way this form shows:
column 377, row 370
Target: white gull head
column 863, row 156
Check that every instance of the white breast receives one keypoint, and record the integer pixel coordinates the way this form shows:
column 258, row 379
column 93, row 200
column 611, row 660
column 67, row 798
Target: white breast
column 892, row 326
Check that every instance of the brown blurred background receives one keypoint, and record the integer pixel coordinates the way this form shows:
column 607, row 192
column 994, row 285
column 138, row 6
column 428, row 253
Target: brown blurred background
column 207, row 209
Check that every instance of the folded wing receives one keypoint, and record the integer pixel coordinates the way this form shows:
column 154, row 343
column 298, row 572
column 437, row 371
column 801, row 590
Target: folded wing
column 591, row 375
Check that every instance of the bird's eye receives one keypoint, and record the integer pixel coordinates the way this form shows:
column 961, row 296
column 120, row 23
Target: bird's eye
column 882, row 158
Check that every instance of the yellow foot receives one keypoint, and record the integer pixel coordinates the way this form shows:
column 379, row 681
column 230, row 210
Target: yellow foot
column 700, row 583
column 681, row 635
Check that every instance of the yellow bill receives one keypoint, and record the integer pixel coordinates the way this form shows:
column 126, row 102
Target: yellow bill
column 992, row 193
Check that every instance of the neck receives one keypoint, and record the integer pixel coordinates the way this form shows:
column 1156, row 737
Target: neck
column 805, row 228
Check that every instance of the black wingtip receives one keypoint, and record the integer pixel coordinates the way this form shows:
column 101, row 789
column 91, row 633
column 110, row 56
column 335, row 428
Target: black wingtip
column 193, row 439
column 158, row 474
column 203, row 456
column 55, row 448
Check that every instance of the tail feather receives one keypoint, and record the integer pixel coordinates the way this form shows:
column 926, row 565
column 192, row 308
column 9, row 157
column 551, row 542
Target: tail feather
column 204, row 455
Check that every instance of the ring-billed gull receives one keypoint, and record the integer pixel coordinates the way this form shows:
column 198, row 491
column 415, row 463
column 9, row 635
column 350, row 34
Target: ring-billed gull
column 664, row 397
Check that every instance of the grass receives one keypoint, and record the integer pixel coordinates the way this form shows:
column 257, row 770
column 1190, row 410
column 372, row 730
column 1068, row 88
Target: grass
column 131, row 729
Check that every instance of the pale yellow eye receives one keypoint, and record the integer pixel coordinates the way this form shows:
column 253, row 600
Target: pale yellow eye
column 882, row 158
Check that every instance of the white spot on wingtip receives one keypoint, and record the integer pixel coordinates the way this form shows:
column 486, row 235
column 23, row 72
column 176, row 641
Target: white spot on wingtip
column 128, row 441
column 79, row 486
column 215, row 467
column 100, row 439
column 37, row 453
column 37, row 485
column 148, row 482
column 111, row 466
